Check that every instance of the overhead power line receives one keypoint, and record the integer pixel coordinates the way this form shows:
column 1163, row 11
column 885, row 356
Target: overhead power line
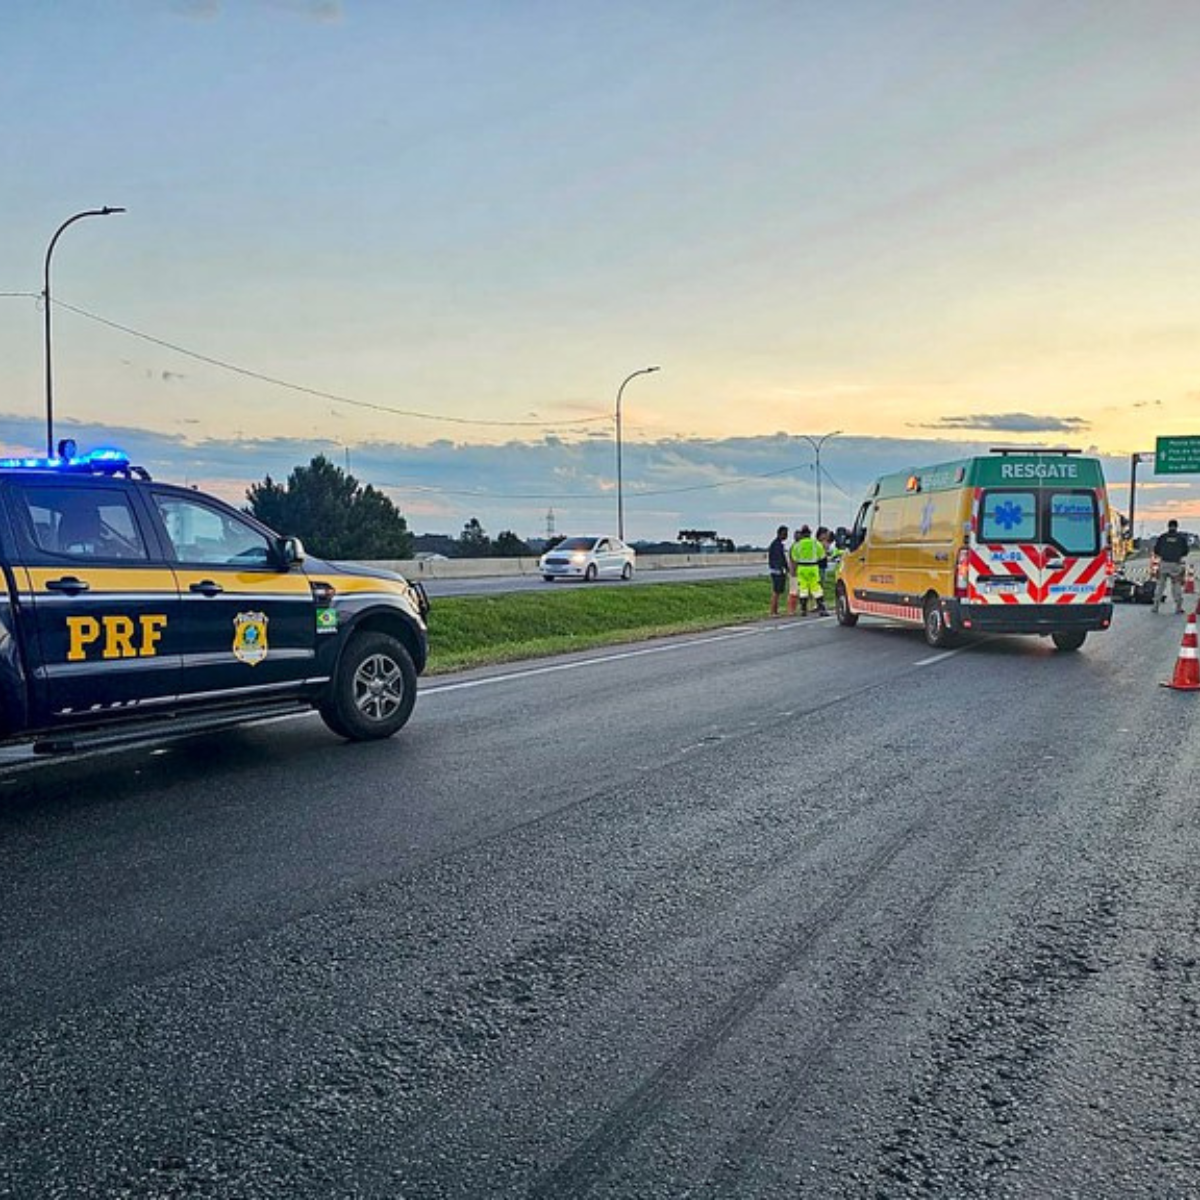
column 424, row 416
column 317, row 392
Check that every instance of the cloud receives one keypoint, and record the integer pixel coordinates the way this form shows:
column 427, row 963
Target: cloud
column 322, row 11
column 197, row 10
column 742, row 487
column 325, row 12
column 1008, row 423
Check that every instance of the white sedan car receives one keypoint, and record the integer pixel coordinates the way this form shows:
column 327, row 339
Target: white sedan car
column 588, row 558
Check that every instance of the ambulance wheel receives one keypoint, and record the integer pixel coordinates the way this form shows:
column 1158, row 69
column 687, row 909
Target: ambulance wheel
column 937, row 633
column 1069, row 639
column 842, row 604
column 373, row 689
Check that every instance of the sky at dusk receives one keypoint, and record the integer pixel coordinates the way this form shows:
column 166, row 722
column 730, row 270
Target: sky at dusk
column 430, row 241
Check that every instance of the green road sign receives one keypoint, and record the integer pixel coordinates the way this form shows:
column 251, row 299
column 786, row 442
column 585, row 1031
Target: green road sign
column 1177, row 455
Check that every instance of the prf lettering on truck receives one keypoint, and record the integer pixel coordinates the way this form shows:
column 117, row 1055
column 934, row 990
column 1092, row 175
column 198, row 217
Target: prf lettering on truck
column 115, row 636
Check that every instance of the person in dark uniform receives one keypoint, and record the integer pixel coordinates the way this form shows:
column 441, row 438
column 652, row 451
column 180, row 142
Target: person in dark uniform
column 777, row 564
column 1171, row 549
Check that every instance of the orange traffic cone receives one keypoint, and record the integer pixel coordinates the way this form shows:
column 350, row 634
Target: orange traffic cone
column 1187, row 665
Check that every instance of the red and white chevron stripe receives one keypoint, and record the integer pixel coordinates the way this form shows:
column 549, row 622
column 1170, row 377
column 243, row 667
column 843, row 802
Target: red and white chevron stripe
column 1021, row 574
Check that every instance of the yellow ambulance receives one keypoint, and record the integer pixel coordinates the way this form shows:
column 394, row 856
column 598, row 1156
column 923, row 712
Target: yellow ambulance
column 1015, row 541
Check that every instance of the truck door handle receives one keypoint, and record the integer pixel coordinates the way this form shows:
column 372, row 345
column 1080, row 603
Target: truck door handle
column 206, row 587
column 68, row 584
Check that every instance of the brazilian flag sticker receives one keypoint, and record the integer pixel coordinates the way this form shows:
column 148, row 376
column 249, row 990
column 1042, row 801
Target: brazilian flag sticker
column 327, row 620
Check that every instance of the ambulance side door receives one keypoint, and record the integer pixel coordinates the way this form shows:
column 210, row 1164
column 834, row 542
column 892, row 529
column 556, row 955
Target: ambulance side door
column 861, row 554
column 250, row 626
column 101, row 601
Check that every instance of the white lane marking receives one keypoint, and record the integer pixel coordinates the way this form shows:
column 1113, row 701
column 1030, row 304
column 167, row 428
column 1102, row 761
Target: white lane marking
column 937, row 658
column 586, row 662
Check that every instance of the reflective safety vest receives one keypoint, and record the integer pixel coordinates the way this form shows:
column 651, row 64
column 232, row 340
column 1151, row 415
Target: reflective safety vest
column 807, row 552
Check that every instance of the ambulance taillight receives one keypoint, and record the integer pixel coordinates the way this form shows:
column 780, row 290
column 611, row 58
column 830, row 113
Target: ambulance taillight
column 960, row 572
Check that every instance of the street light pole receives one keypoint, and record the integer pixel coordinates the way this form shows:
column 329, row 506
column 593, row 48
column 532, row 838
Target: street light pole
column 91, row 212
column 816, row 444
column 620, row 493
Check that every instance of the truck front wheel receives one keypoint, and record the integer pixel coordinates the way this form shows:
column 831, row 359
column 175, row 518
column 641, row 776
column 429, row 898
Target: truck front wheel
column 373, row 689
column 845, row 615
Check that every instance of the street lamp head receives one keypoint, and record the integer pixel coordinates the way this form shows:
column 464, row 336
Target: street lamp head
column 107, row 211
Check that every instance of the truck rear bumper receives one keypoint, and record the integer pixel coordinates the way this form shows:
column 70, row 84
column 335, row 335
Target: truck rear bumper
column 1027, row 618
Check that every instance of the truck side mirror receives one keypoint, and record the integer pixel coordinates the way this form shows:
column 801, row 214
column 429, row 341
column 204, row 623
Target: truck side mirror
column 291, row 551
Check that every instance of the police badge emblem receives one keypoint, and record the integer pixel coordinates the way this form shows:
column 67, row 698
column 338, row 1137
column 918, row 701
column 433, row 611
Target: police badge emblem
column 250, row 637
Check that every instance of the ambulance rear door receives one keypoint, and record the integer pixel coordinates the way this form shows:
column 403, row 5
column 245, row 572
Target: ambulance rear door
column 1038, row 544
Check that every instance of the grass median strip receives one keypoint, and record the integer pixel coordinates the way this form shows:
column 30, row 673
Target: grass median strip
column 473, row 631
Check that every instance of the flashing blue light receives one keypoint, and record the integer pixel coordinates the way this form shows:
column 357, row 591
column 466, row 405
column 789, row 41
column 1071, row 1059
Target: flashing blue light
column 103, row 461
column 106, row 455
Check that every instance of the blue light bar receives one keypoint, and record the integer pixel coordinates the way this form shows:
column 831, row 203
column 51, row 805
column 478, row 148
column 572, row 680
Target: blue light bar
column 105, row 461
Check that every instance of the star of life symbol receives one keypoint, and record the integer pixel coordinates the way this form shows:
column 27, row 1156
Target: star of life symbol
column 250, row 637
column 1009, row 515
column 927, row 517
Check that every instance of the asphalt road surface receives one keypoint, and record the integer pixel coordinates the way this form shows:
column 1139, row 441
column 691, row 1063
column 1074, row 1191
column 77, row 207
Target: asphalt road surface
column 784, row 911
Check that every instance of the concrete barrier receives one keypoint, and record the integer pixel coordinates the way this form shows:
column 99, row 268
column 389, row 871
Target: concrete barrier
column 482, row 568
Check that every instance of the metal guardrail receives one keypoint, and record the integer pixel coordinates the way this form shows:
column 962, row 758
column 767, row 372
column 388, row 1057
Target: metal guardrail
column 481, row 568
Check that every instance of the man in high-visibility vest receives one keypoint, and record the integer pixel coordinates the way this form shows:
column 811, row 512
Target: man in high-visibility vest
column 807, row 555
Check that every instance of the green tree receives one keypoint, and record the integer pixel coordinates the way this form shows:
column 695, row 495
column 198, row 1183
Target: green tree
column 334, row 515
column 474, row 542
column 508, row 545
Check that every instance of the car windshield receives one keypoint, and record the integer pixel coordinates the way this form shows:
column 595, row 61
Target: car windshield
column 576, row 543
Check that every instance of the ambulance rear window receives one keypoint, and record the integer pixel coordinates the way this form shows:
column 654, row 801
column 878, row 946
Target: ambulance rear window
column 1074, row 522
column 1009, row 516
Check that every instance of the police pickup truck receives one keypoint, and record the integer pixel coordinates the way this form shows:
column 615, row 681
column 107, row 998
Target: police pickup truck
column 131, row 608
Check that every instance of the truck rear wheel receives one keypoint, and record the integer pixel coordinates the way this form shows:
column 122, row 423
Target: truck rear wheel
column 1069, row 639
column 937, row 633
